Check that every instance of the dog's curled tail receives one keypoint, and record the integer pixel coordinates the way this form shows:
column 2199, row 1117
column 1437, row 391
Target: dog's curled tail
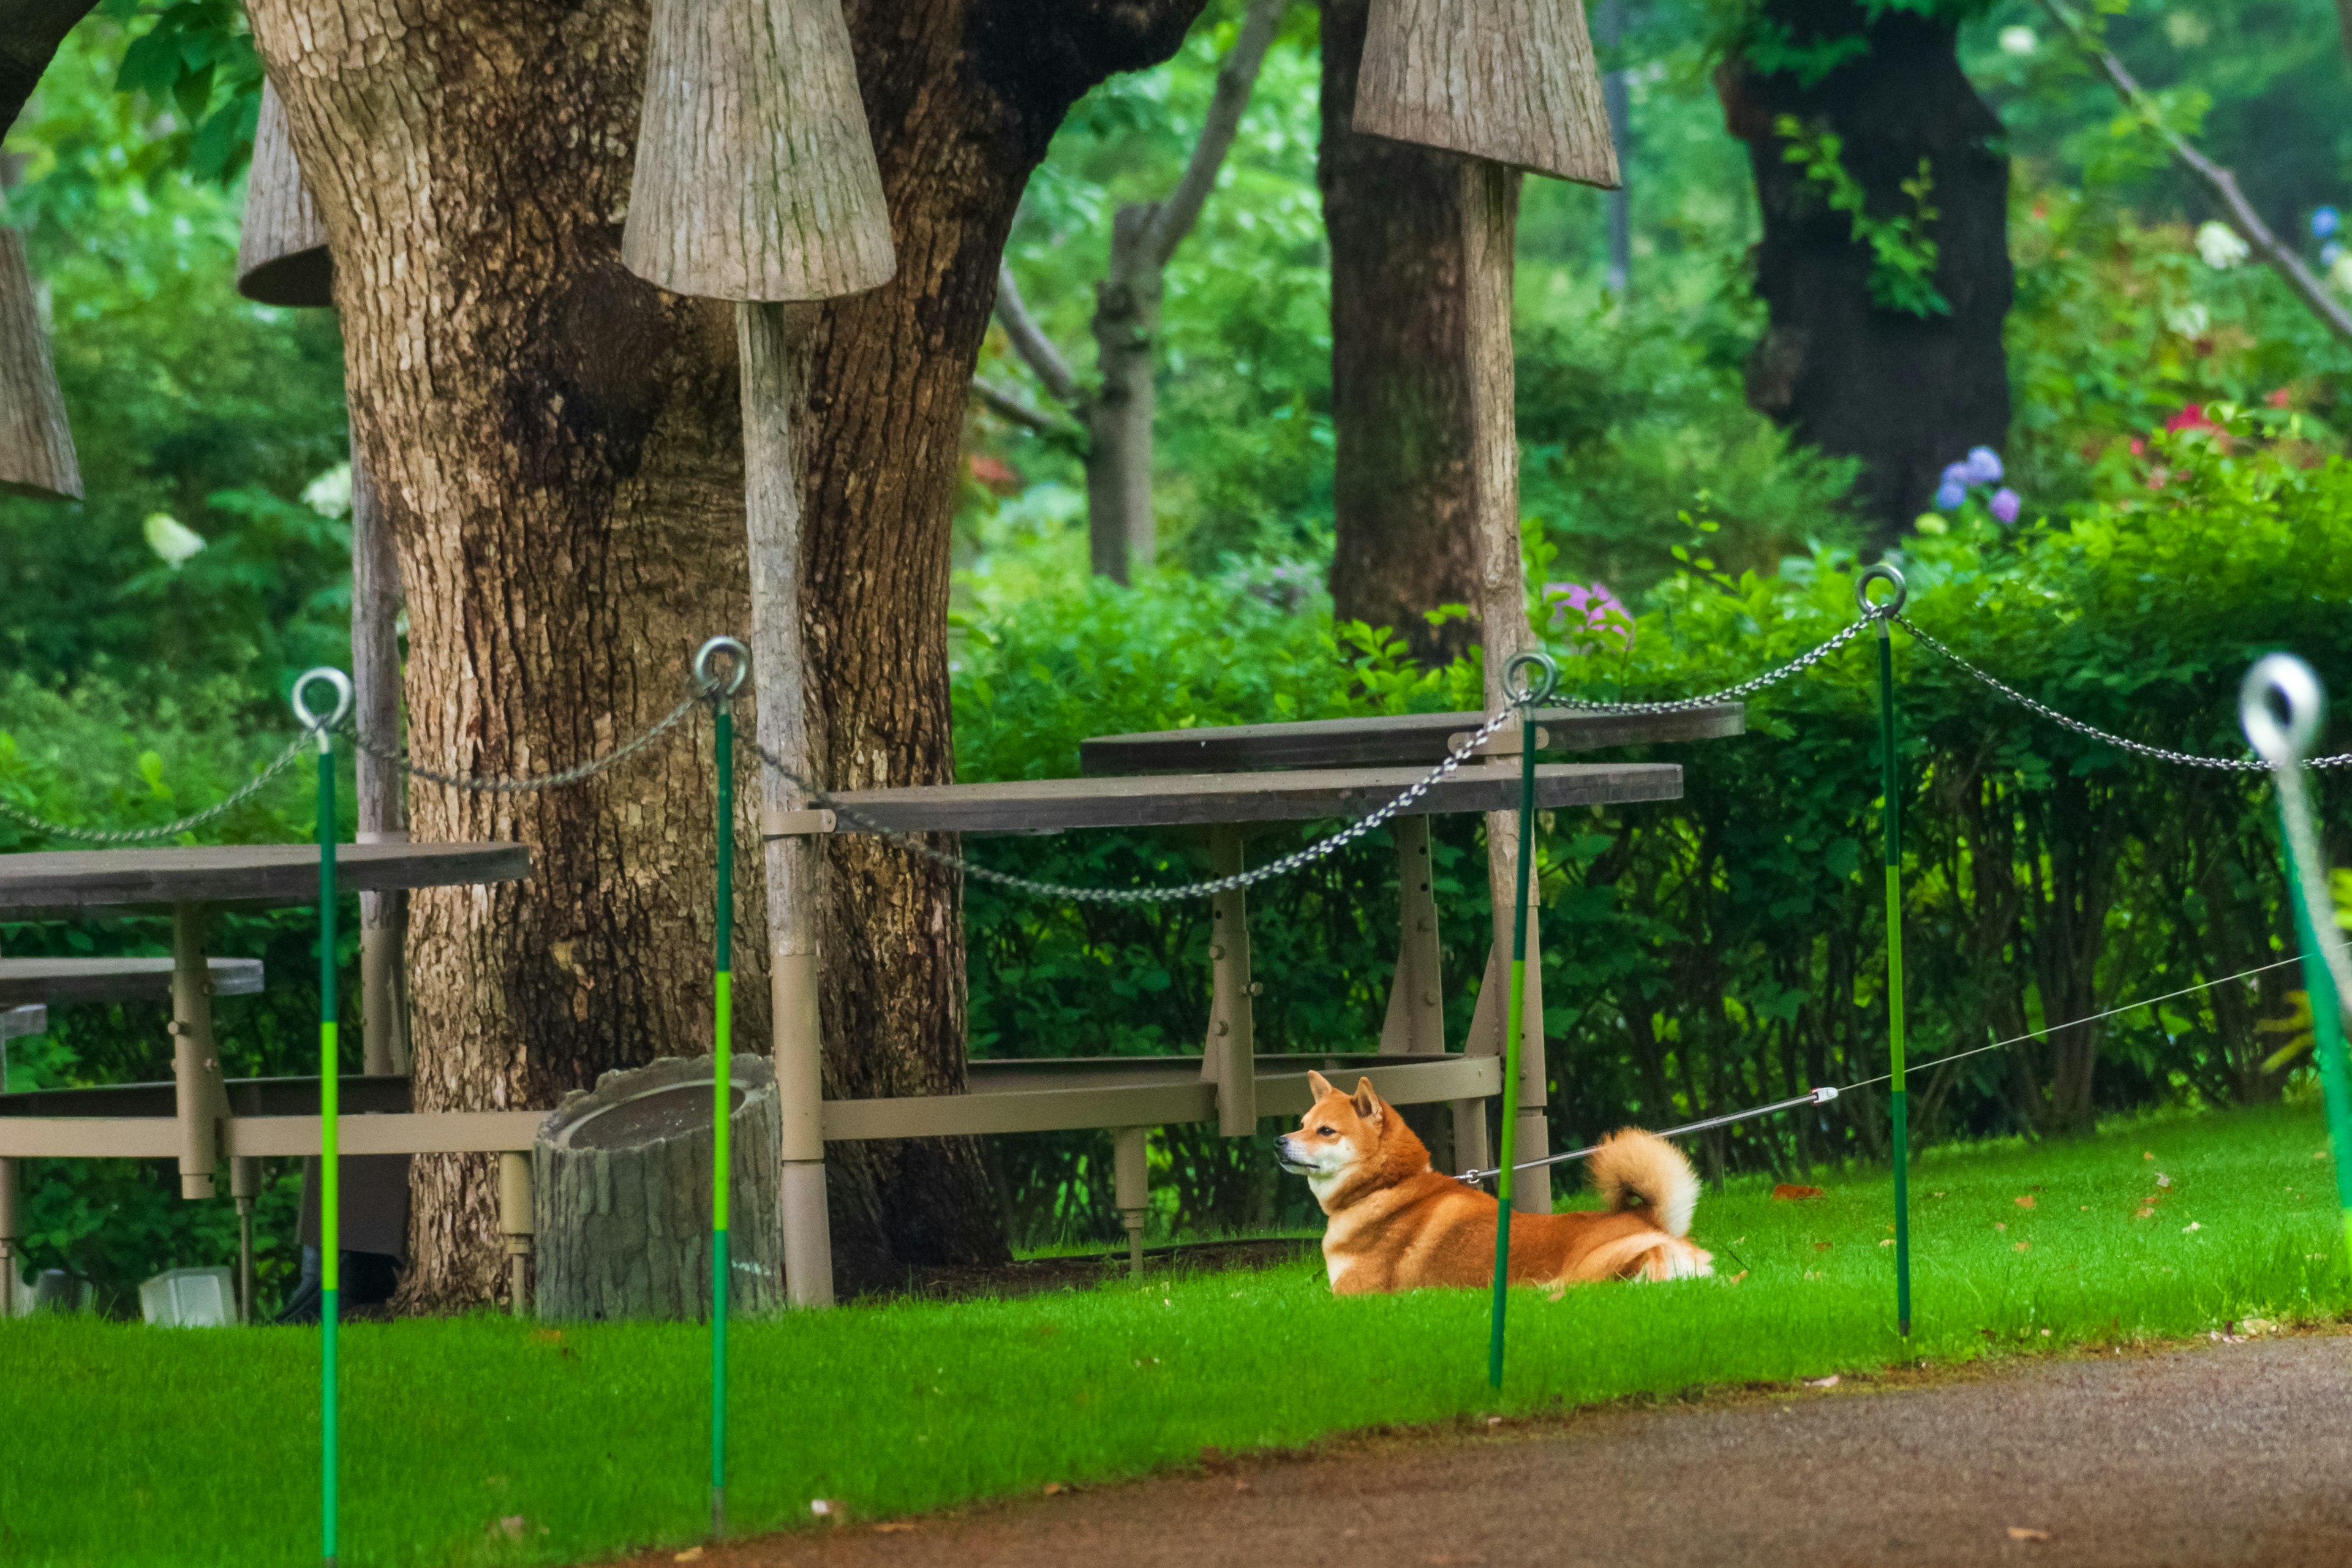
column 1633, row 1166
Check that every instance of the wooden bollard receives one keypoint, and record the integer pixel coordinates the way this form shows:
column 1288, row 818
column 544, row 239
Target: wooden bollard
column 1131, row 1189
column 517, row 1224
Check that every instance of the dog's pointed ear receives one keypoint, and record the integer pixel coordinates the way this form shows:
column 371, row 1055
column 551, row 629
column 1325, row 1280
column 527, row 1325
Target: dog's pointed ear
column 1318, row 1085
column 1368, row 1102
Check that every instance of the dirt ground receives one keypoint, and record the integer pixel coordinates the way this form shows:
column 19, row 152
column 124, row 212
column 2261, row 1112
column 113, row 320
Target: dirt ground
column 2211, row 1454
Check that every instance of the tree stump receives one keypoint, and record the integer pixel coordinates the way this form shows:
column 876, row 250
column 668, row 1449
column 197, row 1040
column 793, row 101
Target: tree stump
column 622, row 1194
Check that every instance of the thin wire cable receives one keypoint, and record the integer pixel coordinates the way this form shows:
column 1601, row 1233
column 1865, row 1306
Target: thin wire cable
column 1820, row 1096
column 252, row 787
column 2155, row 753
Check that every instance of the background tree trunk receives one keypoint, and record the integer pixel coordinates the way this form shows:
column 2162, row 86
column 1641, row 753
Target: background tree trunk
column 1904, row 394
column 30, row 32
column 1404, row 482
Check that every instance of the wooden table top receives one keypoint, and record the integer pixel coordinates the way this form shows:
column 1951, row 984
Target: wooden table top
column 1050, row 805
column 58, row 883
column 29, row 979
column 1403, row 739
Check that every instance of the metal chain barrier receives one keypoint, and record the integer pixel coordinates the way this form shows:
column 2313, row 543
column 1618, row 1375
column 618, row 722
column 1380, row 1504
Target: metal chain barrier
column 252, row 787
column 1797, row 666
column 2154, row 754
column 913, row 844
column 702, row 693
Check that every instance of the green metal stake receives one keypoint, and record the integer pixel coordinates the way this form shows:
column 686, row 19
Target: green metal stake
column 1544, row 676
column 1891, row 794
column 2284, row 747
column 722, row 1052
column 330, row 1168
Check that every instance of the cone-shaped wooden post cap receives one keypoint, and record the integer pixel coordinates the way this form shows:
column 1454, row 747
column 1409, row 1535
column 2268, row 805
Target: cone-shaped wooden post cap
column 281, row 254
column 37, row 450
column 755, row 176
column 1512, row 81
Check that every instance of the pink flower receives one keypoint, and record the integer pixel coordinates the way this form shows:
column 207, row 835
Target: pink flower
column 2190, row 417
column 2005, row 504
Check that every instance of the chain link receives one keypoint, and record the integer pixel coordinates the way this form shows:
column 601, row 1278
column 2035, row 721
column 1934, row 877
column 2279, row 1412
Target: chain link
column 1271, row 870
column 1797, row 666
column 583, row 771
column 2155, row 753
column 252, row 787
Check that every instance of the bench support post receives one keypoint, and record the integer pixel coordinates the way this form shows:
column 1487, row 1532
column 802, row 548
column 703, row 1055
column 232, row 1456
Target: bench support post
column 1229, row 1058
column 1131, row 1189
column 800, row 1089
column 516, row 1223
column 1531, row 1190
column 201, row 1099
column 1416, row 1015
column 245, row 1188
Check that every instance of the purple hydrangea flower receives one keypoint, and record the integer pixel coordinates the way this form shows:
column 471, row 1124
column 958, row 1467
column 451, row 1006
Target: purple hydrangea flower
column 1957, row 474
column 2005, row 504
column 1983, row 466
column 1951, row 496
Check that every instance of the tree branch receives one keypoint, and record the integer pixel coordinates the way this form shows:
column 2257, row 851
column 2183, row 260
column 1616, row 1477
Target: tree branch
column 1172, row 219
column 2220, row 182
column 30, row 32
column 1029, row 341
column 1001, row 400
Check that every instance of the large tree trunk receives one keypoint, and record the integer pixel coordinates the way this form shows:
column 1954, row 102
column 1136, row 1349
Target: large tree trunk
column 560, row 449
column 1402, row 378
column 1906, row 393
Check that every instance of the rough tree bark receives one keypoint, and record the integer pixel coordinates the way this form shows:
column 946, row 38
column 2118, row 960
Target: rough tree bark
column 1904, row 394
column 561, row 449
column 1120, row 526
column 1402, row 381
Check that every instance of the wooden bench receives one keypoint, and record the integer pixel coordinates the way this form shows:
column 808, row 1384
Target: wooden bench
column 55, row 981
column 204, row 1123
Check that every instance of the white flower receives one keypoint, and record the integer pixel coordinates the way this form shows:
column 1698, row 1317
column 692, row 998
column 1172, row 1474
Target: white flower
column 2340, row 274
column 2220, row 246
column 173, row 540
column 329, row 495
column 2188, row 320
column 2019, row 41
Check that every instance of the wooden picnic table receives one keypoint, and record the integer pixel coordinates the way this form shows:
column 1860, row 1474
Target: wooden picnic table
column 1417, row 741
column 25, row 981
column 1421, row 739
column 188, row 881
column 1230, row 1082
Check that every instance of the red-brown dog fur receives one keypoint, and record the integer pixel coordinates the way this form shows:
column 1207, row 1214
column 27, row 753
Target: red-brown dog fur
column 1397, row 1225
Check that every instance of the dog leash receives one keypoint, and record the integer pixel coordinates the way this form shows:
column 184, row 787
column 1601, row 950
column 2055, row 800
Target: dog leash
column 1813, row 1097
column 1823, row 1096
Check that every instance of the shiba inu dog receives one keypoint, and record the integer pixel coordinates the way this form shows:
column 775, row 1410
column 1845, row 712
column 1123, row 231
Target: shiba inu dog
column 1397, row 1225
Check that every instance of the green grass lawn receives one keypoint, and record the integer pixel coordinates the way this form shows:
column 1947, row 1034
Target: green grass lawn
column 483, row 1440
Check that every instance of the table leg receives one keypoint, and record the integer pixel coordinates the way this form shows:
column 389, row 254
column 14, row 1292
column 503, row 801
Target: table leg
column 1229, row 1057
column 1131, row 1189
column 244, row 1187
column 200, row 1099
column 1416, row 1015
column 516, row 1223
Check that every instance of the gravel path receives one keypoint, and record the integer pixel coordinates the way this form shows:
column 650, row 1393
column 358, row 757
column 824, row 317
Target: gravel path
column 2237, row 1454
